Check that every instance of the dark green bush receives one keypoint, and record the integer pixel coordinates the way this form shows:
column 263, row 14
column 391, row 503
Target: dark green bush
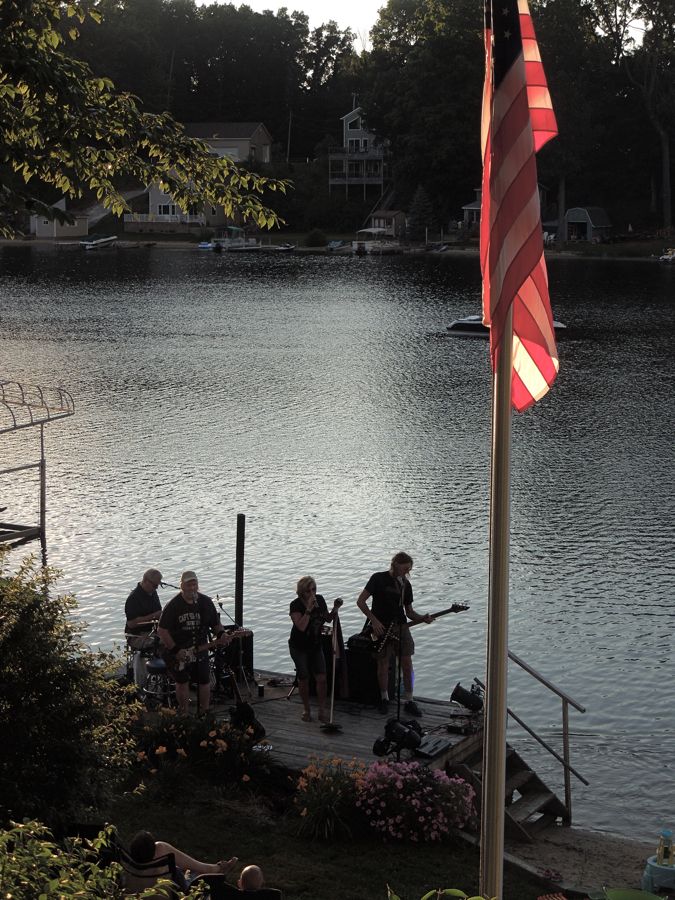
column 65, row 722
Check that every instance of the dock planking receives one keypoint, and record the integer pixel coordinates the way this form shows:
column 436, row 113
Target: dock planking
column 294, row 742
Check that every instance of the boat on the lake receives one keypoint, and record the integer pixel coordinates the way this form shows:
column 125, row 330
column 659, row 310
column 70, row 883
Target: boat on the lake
column 96, row 241
column 472, row 326
column 286, row 247
column 668, row 256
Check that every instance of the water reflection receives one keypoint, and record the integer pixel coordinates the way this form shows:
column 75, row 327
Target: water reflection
column 322, row 398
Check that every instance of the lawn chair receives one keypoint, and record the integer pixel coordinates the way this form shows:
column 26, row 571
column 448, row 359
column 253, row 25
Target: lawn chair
column 139, row 877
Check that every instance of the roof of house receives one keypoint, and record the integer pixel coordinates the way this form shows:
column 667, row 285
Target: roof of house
column 223, row 130
column 351, row 114
column 386, row 213
column 596, row 215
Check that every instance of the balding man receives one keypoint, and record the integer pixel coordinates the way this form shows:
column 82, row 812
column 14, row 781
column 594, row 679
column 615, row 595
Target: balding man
column 142, row 610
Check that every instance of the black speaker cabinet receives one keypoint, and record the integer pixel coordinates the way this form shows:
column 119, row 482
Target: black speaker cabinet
column 239, row 654
column 362, row 671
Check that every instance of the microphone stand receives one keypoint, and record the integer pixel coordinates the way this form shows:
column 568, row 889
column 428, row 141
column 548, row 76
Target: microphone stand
column 331, row 727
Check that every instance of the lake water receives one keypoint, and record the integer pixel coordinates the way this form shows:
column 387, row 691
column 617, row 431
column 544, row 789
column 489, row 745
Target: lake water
column 321, row 397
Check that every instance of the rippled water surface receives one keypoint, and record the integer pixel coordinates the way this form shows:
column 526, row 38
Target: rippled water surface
column 322, row 398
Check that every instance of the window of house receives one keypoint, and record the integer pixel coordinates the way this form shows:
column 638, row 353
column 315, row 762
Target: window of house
column 364, row 144
column 166, row 209
column 252, row 154
column 266, row 153
column 355, row 124
column 354, row 145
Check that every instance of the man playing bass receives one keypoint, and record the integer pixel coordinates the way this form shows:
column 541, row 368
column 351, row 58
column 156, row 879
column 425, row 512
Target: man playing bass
column 391, row 608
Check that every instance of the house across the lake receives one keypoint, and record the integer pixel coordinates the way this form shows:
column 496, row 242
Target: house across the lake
column 43, row 227
column 359, row 163
column 388, row 222
column 249, row 143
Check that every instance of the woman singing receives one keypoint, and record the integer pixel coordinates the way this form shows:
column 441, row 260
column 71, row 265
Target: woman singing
column 308, row 613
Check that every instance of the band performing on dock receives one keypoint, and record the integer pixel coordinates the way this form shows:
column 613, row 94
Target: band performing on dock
column 185, row 643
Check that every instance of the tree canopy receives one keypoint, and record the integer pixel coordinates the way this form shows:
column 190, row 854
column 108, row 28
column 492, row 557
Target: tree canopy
column 63, row 126
column 609, row 65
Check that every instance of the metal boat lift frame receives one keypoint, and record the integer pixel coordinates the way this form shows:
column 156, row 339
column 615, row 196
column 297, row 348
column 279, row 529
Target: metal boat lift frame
column 29, row 406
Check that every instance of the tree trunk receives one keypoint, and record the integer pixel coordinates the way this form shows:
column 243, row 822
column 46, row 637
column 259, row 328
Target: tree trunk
column 665, row 179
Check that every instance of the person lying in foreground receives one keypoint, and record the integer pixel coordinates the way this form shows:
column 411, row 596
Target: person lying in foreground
column 144, row 848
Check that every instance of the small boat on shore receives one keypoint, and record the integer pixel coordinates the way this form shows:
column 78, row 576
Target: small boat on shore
column 472, row 326
column 96, row 241
column 668, row 256
column 279, row 248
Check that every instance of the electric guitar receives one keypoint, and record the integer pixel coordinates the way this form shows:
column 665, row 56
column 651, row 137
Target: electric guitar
column 379, row 643
column 192, row 653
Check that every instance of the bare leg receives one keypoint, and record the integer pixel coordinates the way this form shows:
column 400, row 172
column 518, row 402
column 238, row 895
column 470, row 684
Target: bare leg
column 407, row 669
column 183, row 697
column 303, row 688
column 321, row 695
column 383, row 674
column 204, row 697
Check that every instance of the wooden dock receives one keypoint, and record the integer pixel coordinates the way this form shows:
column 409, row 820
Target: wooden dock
column 451, row 739
column 293, row 742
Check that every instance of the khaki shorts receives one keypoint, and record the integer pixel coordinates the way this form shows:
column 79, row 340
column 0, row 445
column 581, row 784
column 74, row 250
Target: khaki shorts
column 401, row 643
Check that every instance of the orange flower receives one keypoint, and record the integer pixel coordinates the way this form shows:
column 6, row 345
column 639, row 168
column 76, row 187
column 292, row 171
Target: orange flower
column 160, row 750
column 245, row 777
column 203, row 744
column 181, row 752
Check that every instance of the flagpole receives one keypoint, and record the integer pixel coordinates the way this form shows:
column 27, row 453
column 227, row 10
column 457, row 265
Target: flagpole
column 494, row 738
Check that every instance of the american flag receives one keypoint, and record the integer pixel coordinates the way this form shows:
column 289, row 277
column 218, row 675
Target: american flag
column 518, row 119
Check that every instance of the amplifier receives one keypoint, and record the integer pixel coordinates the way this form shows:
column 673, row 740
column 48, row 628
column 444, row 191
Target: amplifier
column 239, row 654
column 362, row 673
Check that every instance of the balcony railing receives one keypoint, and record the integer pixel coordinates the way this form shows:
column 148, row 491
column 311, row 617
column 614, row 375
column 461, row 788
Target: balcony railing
column 371, row 153
column 185, row 218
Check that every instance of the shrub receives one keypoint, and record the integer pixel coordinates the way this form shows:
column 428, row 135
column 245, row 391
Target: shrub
column 33, row 865
column 65, row 722
column 210, row 749
column 316, row 238
column 326, row 798
column 409, row 801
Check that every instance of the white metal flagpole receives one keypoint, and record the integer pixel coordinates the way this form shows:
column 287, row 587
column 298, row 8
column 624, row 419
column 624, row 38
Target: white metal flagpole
column 494, row 736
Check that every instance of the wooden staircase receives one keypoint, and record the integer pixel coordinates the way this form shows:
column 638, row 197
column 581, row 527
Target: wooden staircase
column 530, row 805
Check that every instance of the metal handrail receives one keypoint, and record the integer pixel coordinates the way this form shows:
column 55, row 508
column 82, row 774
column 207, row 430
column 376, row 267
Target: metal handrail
column 528, row 668
column 567, row 701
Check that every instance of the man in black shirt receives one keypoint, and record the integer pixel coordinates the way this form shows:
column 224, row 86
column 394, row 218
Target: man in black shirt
column 142, row 610
column 392, row 606
column 183, row 629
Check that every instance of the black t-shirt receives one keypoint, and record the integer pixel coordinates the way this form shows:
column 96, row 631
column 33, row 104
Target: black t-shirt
column 189, row 623
column 390, row 597
column 311, row 637
column 140, row 603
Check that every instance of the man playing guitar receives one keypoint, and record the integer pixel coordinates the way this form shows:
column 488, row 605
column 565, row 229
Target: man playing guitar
column 183, row 629
column 392, row 603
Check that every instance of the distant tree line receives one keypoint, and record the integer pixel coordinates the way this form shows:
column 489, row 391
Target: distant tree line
column 610, row 65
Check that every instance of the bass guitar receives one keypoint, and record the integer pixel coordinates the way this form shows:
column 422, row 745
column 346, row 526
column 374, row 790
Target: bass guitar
column 391, row 634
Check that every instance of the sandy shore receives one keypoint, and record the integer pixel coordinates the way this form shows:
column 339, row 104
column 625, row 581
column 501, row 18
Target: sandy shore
column 584, row 860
